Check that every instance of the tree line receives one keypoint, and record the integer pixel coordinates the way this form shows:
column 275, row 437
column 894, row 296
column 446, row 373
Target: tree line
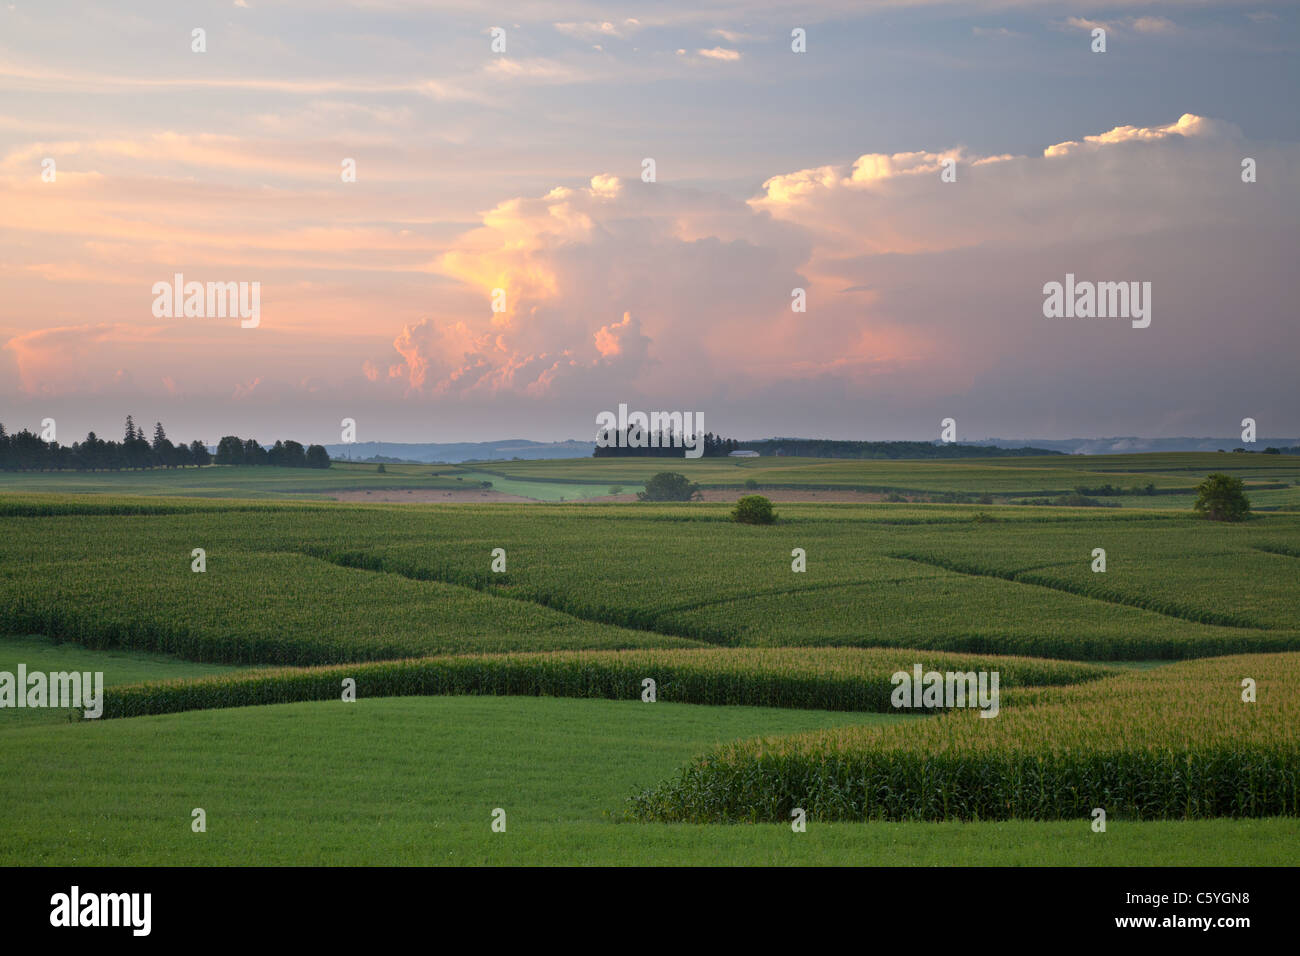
column 284, row 454
column 27, row 451
column 617, row 444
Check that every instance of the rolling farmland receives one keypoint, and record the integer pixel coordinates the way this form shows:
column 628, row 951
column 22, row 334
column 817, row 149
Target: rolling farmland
column 773, row 684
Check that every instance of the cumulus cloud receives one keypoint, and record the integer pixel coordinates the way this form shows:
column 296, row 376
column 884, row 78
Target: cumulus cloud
column 909, row 279
column 603, row 284
column 1089, row 187
column 1187, row 125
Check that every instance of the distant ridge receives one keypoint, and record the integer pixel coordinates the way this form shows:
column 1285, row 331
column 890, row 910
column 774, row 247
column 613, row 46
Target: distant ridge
column 1132, row 445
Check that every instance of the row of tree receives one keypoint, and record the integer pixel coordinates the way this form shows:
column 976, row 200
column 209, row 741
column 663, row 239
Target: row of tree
column 634, row 443
column 27, row 451
column 232, row 450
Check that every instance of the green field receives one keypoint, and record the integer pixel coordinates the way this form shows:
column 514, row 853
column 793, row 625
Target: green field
column 415, row 780
column 319, row 584
column 225, row 481
column 119, row 667
column 1177, row 743
column 1011, row 477
column 520, row 689
column 1174, row 475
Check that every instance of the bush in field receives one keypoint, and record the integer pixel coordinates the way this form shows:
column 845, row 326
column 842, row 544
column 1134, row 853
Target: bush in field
column 750, row 484
column 753, row 509
column 669, row 486
column 1222, row 498
column 615, row 489
column 381, row 469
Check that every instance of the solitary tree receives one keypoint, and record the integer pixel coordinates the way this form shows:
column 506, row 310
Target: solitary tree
column 669, row 486
column 1222, row 498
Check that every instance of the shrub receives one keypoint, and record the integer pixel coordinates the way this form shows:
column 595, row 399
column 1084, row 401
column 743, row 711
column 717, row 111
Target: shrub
column 750, row 484
column 381, row 469
column 669, row 486
column 1222, row 498
column 753, row 509
column 615, row 489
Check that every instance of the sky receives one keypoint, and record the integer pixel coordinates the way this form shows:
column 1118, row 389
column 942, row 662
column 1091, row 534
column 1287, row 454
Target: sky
column 921, row 170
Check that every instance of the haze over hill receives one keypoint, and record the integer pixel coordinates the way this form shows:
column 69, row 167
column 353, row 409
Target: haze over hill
column 454, row 452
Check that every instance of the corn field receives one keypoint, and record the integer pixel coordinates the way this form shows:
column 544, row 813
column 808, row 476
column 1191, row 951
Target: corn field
column 1177, row 742
column 824, row 678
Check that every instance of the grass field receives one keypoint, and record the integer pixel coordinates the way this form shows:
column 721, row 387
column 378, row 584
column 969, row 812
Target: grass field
column 119, row 667
column 415, row 780
column 317, row 590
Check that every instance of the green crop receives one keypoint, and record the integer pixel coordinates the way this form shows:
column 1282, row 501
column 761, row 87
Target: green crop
column 1177, row 742
column 818, row 679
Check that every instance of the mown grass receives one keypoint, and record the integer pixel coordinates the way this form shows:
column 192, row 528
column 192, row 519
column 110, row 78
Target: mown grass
column 119, row 667
column 1178, row 742
column 414, row 781
column 819, row 679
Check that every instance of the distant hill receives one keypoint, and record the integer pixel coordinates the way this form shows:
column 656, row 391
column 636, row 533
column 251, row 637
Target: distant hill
column 830, row 448
column 1131, row 445
column 456, row 452
column 453, row 452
